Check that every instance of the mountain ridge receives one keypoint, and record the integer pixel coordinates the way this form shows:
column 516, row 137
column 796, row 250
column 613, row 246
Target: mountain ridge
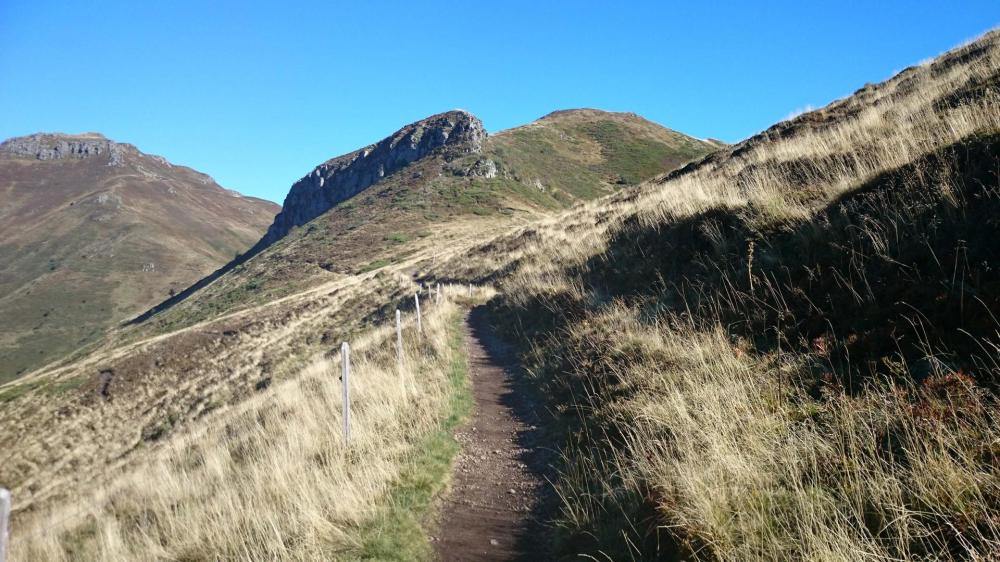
column 93, row 230
column 351, row 173
column 369, row 207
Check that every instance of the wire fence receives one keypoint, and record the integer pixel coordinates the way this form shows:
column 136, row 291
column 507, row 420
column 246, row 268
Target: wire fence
column 99, row 494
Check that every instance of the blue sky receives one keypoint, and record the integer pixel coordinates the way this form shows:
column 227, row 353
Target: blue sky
column 256, row 94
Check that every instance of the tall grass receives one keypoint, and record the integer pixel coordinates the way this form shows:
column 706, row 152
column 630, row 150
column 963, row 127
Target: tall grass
column 685, row 331
column 272, row 479
column 782, row 175
column 742, row 464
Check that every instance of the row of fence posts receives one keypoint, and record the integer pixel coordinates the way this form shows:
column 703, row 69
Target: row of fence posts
column 345, row 374
column 345, row 356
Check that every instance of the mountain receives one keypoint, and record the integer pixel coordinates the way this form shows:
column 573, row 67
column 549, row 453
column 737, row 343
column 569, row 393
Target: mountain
column 340, row 254
column 377, row 205
column 783, row 350
column 566, row 156
column 93, row 231
column 338, row 179
column 786, row 350
column 584, row 153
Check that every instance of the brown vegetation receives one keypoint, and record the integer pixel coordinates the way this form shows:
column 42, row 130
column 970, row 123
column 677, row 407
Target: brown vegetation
column 788, row 350
column 785, row 351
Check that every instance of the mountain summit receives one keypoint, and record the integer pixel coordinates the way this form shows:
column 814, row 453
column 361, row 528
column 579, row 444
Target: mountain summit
column 376, row 205
column 57, row 146
column 337, row 179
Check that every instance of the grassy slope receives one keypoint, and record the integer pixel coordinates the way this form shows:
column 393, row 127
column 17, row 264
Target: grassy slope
column 743, row 447
column 575, row 155
column 789, row 351
column 86, row 245
column 255, row 327
column 581, row 154
column 398, row 532
column 272, row 477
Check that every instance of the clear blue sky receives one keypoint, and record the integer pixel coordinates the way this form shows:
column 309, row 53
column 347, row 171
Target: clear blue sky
column 256, row 94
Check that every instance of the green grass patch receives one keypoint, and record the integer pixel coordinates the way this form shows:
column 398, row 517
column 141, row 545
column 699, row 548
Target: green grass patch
column 14, row 392
column 373, row 265
column 397, row 238
column 65, row 385
column 398, row 533
column 634, row 159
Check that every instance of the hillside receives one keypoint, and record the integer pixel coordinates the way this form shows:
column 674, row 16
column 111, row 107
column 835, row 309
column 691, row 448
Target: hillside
column 783, row 350
column 264, row 317
column 787, row 350
column 93, row 231
column 378, row 205
column 584, row 153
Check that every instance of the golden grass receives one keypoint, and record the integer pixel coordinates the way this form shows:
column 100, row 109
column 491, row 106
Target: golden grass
column 272, row 478
column 745, row 466
column 738, row 460
column 780, row 177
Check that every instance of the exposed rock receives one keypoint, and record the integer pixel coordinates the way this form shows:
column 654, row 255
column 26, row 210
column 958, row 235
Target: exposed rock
column 485, row 168
column 458, row 132
column 44, row 146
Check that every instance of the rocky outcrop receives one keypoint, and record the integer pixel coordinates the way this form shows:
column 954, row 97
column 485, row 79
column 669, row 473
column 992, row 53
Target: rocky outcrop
column 482, row 168
column 458, row 132
column 57, row 147
column 485, row 168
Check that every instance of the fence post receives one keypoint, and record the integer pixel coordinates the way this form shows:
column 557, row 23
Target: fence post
column 470, row 290
column 399, row 342
column 416, row 299
column 437, row 295
column 4, row 523
column 345, row 376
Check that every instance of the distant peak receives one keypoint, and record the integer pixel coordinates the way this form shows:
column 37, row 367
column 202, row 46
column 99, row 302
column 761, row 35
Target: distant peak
column 60, row 136
column 457, row 126
column 587, row 112
column 454, row 116
column 58, row 146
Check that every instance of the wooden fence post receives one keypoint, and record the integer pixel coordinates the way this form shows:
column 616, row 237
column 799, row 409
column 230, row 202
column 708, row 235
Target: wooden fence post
column 4, row 523
column 416, row 299
column 399, row 342
column 470, row 290
column 345, row 377
column 437, row 296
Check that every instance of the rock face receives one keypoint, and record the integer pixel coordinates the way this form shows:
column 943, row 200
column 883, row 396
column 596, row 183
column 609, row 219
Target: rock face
column 56, row 147
column 458, row 132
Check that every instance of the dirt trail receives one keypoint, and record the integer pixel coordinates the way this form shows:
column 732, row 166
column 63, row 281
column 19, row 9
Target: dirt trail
column 494, row 509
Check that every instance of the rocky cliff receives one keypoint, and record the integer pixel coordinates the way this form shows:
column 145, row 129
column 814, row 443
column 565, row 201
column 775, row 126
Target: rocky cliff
column 345, row 176
column 44, row 146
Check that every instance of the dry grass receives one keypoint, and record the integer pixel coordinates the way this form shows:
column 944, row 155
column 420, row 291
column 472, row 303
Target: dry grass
column 745, row 466
column 272, row 478
column 60, row 432
column 783, row 175
column 691, row 438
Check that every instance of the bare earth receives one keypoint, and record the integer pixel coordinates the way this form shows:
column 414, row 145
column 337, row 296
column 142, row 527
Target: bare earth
column 493, row 509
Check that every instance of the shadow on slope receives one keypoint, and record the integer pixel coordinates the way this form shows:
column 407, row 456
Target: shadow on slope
column 897, row 279
column 200, row 284
column 904, row 269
